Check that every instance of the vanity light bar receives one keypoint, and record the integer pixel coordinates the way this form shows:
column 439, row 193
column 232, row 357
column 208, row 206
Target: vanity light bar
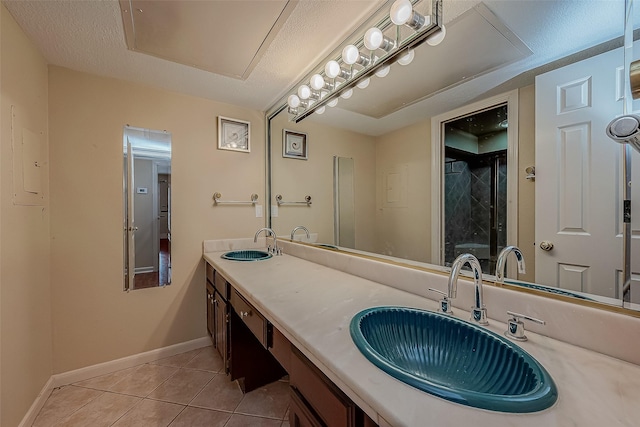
column 433, row 26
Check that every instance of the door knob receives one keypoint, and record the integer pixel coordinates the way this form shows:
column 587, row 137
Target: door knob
column 546, row 245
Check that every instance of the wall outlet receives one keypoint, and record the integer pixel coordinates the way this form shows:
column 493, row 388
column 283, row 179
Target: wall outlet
column 258, row 211
column 274, row 211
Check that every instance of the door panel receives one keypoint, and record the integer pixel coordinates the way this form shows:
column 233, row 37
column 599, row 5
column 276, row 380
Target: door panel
column 577, row 184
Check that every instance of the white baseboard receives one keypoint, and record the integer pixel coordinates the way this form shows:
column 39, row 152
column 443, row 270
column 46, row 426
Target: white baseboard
column 37, row 404
column 104, row 368
column 70, row 377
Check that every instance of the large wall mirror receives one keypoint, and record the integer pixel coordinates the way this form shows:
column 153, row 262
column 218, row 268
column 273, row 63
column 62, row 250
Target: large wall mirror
column 147, row 208
column 562, row 64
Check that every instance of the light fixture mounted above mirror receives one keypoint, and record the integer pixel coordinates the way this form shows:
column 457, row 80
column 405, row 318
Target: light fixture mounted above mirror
column 371, row 54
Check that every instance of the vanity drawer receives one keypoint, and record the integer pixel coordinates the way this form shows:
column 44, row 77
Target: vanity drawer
column 323, row 397
column 221, row 285
column 256, row 323
column 210, row 272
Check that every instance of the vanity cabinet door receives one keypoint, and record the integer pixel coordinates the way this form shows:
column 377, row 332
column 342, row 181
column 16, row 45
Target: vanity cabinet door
column 221, row 316
column 300, row 415
column 210, row 313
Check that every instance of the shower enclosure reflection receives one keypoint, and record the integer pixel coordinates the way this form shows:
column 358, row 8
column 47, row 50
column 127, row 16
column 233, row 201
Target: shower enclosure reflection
column 147, row 208
column 475, row 186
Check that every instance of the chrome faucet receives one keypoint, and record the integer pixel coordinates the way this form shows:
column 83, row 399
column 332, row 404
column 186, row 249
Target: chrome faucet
column 502, row 259
column 478, row 311
column 300, row 227
column 273, row 250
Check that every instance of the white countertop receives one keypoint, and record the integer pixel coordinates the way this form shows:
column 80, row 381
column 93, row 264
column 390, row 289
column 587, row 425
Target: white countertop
column 312, row 306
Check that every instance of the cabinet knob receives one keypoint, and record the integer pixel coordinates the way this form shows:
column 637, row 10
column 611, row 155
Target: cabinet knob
column 244, row 314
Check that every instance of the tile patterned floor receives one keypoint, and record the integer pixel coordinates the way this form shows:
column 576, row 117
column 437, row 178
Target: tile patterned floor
column 186, row 390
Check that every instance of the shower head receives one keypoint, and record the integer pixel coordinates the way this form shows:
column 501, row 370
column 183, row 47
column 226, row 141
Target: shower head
column 625, row 130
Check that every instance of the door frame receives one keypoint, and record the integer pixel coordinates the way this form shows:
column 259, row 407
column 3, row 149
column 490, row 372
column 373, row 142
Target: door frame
column 437, row 182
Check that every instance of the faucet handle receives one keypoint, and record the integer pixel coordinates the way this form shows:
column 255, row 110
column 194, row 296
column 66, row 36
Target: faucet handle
column 445, row 304
column 515, row 326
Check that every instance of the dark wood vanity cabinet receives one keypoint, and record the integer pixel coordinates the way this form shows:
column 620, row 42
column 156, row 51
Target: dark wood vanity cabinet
column 256, row 353
column 210, row 313
column 218, row 313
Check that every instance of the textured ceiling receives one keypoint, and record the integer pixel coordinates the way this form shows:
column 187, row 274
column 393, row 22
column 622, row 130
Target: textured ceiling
column 89, row 36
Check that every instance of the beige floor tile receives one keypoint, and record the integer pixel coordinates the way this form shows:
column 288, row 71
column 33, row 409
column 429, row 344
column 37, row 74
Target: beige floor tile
column 182, row 386
column 101, row 412
column 150, row 413
column 62, row 403
column 220, row 394
column 238, row 420
column 208, row 360
column 144, row 380
column 270, row 401
column 105, row 382
column 197, row 417
column 179, row 360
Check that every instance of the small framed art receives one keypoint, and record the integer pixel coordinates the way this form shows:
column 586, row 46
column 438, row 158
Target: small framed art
column 233, row 134
column 294, row 145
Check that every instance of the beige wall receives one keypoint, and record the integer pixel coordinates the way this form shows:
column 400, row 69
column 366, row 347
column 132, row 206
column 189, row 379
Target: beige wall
column 25, row 335
column 93, row 319
column 403, row 216
column 294, row 179
column 526, row 188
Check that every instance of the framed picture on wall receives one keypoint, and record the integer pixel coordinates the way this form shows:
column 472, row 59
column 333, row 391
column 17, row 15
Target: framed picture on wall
column 233, row 134
column 294, row 145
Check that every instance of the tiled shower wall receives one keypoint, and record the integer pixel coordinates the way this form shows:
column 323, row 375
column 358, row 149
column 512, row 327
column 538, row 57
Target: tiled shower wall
column 468, row 205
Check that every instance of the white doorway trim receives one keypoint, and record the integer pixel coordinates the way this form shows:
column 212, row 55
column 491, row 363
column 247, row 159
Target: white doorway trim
column 437, row 182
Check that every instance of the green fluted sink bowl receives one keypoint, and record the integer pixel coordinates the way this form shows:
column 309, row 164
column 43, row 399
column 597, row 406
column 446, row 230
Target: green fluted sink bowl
column 246, row 255
column 453, row 359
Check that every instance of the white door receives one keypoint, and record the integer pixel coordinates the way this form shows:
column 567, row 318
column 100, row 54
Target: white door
column 578, row 178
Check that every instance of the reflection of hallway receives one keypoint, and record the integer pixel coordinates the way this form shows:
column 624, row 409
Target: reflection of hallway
column 156, row 278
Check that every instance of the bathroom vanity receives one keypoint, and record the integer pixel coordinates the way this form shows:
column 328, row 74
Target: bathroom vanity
column 297, row 309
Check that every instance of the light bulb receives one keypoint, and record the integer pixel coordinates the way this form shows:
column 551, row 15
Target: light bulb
column 382, row 72
column 293, row 101
column 350, row 54
column 401, row 12
column 374, row 39
column 436, row 38
column 346, row 94
column 407, row 58
column 332, row 69
column 320, row 110
column 317, row 82
column 364, row 83
column 333, row 102
column 304, row 92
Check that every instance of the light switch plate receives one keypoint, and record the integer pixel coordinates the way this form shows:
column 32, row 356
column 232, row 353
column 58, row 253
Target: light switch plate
column 274, row 211
column 258, row 211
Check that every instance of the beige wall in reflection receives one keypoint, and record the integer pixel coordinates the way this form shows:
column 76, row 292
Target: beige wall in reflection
column 294, row 179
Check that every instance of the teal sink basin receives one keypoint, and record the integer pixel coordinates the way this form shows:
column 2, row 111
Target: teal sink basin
column 246, row 255
column 453, row 359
